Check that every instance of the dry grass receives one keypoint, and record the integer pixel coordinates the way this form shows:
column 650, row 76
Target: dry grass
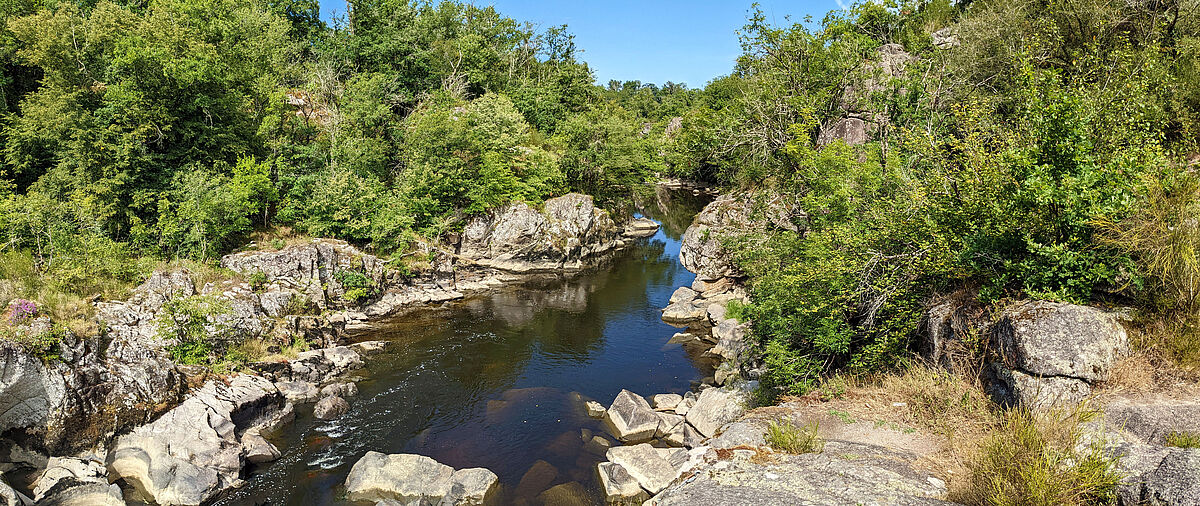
column 1183, row 439
column 1033, row 459
column 277, row 237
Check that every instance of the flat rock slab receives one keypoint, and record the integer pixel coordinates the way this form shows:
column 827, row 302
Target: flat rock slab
column 844, row 474
column 1152, row 421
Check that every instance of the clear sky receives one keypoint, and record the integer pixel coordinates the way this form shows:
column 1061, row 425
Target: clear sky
column 651, row 41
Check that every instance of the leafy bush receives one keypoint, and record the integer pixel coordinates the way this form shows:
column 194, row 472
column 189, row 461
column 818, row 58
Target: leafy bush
column 257, row 280
column 786, row 437
column 191, row 325
column 357, row 286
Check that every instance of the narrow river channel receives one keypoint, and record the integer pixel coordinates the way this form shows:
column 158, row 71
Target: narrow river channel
column 495, row 381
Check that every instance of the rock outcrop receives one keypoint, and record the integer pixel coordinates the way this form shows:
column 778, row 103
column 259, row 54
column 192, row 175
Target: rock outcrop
column 731, row 215
column 70, row 481
column 194, row 451
column 860, row 119
column 569, row 231
column 1151, row 472
column 406, row 478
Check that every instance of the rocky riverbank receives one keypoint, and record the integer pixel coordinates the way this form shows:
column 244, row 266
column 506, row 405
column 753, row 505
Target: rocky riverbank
column 127, row 413
column 709, row 448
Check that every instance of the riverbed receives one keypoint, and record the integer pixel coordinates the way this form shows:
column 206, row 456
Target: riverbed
column 498, row 381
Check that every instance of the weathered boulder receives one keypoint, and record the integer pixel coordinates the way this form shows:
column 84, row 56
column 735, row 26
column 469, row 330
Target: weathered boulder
column 946, row 38
column 330, row 408
column 685, row 312
column 653, row 468
column 341, row 389
column 407, row 478
column 1056, row 339
column 256, row 449
column 717, row 407
column 193, row 452
column 860, row 120
column 683, row 294
column 595, row 409
column 71, row 481
column 730, row 215
column 518, row 238
column 298, row 391
column 844, row 474
column 620, row 487
column 630, row 418
column 1052, row 352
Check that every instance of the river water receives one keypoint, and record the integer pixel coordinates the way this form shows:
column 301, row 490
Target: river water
column 495, row 381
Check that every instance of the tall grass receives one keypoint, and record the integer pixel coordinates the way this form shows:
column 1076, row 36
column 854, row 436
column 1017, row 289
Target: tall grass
column 1032, row 459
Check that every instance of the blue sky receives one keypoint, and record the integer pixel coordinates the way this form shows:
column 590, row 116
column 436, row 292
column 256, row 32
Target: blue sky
column 650, row 40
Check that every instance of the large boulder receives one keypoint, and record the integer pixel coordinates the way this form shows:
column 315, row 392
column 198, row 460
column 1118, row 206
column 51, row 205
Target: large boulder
column 630, row 418
column 1050, row 352
column 330, row 407
column 619, row 487
column 861, row 119
column 194, row 452
column 702, row 250
column 717, row 407
column 653, row 468
column 311, row 268
column 569, row 231
column 407, row 478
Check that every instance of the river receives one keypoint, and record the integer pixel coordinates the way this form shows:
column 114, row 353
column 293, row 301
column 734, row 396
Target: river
column 495, row 381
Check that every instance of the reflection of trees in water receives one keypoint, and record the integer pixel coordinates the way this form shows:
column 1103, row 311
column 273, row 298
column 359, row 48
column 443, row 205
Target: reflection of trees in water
column 673, row 208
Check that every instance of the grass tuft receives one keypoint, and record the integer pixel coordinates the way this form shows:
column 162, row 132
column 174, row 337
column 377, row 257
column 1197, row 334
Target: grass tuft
column 1032, row 459
column 787, row 437
column 1183, row 439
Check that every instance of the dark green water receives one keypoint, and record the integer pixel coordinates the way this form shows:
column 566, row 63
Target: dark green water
column 494, row 381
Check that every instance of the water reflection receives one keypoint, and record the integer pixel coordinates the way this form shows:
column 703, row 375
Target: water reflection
column 498, row 381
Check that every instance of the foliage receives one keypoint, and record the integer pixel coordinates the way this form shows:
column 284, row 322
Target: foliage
column 1032, row 459
column 257, row 280
column 357, row 286
column 20, row 311
column 191, row 326
column 786, row 437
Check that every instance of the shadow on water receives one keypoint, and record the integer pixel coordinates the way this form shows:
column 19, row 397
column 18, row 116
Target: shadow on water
column 497, row 381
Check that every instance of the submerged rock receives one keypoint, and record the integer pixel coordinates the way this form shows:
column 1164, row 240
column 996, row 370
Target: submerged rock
column 630, row 418
column 330, row 408
column 410, row 478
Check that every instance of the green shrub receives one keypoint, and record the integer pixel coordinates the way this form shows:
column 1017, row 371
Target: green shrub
column 786, row 437
column 357, row 285
column 191, row 323
column 257, row 280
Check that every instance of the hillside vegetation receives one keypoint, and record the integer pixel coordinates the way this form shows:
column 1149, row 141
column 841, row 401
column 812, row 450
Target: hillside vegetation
column 1046, row 150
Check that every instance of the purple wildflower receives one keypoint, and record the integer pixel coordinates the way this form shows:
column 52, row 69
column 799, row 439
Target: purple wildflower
column 20, row 311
